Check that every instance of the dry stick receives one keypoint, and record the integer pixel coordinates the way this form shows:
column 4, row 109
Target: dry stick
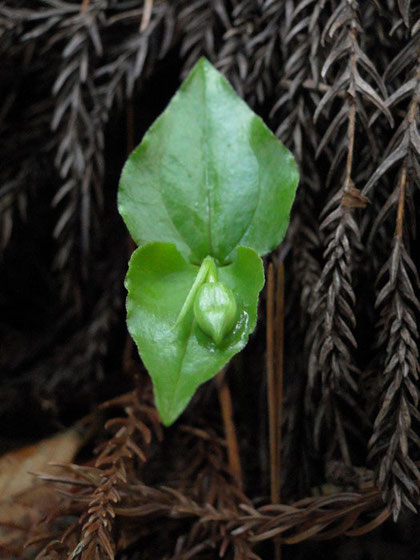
column 401, row 201
column 226, row 407
column 271, row 385
column 273, row 395
column 279, row 347
column 275, row 342
column 403, row 178
column 352, row 114
column 348, row 183
column 348, row 187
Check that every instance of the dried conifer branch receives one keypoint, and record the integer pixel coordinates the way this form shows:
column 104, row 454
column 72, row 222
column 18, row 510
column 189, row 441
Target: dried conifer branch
column 132, row 48
column 394, row 443
column 202, row 24
column 207, row 479
column 395, row 439
column 300, row 33
column 89, row 79
column 324, row 517
column 100, row 486
column 334, row 344
column 310, row 518
column 77, row 122
column 299, row 26
column 79, row 159
column 112, row 463
column 255, row 31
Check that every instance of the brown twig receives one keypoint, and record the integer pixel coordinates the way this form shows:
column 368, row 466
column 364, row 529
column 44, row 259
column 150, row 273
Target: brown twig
column 226, row 408
column 279, row 368
column 274, row 341
column 351, row 92
column 314, row 518
column 401, row 201
column 271, row 384
column 403, row 178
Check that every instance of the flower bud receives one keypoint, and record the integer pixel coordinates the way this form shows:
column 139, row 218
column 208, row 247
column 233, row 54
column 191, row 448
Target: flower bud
column 215, row 310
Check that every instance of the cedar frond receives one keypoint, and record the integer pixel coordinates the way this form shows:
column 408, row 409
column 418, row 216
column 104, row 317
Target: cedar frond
column 333, row 372
column 74, row 38
column 355, row 75
column 254, row 34
column 404, row 147
column 79, row 127
column 91, row 75
column 131, row 52
column 207, row 480
column 101, row 485
column 394, row 439
column 333, row 345
column 321, row 517
column 298, row 92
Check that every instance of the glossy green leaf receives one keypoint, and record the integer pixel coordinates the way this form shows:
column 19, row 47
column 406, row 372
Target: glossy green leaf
column 209, row 176
column 177, row 353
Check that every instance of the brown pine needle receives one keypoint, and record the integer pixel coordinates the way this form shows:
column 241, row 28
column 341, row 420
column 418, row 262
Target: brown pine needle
column 271, row 385
column 275, row 341
column 279, row 348
column 226, row 408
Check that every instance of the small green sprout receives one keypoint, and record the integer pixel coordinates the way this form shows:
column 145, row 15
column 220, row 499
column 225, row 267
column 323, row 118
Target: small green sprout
column 205, row 195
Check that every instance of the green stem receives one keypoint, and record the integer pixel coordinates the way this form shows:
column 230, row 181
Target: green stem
column 206, row 273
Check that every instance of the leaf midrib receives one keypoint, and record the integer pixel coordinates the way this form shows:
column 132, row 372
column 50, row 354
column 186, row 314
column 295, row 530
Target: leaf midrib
column 206, row 166
column 181, row 364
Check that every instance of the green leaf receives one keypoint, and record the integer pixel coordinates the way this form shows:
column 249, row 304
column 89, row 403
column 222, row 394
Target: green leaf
column 209, row 176
column 178, row 354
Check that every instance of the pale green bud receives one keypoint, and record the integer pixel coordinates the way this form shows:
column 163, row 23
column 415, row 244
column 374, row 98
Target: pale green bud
column 215, row 310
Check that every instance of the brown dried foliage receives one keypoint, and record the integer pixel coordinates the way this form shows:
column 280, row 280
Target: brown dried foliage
column 99, row 486
column 395, row 435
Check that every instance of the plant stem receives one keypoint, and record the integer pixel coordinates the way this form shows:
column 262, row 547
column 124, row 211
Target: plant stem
column 207, row 272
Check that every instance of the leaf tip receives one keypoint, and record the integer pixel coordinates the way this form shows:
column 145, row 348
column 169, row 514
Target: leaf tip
column 168, row 415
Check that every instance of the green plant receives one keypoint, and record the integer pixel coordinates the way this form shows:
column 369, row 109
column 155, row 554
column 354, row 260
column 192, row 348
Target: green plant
column 205, row 194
